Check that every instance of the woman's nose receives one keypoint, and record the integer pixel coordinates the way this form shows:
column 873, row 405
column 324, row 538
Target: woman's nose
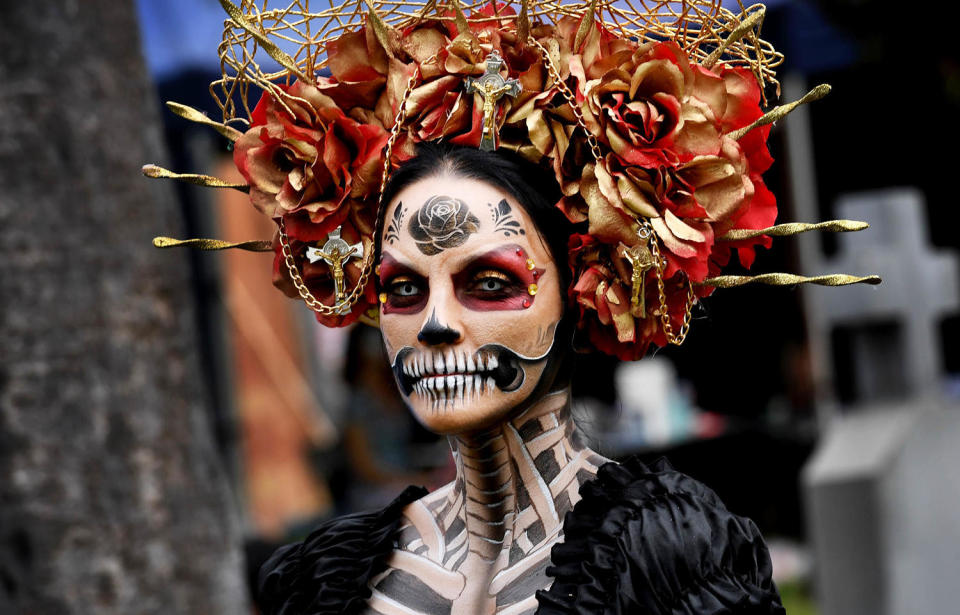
column 443, row 324
column 435, row 332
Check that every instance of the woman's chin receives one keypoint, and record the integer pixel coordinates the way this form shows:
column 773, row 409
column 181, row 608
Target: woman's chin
column 450, row 416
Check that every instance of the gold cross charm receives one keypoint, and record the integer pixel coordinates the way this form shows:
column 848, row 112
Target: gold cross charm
column 335, row 253
column 491, row 87
column 642, row 261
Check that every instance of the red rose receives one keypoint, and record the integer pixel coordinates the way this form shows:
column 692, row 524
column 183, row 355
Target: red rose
column 689, row 205
column 306, row 161
column 359, row 66
column 635, row 108
column 602, row 291
column 653, row 106
column 439, row 107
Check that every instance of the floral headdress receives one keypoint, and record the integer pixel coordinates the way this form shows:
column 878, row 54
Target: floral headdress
column 651, row 119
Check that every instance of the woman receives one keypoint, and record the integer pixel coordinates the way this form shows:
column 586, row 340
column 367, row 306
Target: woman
column 640, row 144
column 478, row 331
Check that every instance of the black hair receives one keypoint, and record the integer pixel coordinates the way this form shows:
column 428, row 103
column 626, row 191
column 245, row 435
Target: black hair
column 533, row 186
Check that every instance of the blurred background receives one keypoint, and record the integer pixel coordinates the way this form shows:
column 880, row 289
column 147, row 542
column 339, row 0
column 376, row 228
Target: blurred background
column 158, row 407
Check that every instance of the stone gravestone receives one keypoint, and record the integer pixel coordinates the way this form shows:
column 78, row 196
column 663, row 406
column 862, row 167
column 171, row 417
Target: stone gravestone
column 881, row 493
column 920, row 286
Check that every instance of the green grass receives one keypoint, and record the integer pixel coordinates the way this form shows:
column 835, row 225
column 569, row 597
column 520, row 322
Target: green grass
column 797, row 599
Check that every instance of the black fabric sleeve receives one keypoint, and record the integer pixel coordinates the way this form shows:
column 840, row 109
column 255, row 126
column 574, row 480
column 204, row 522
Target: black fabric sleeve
column 327, row 573
column 652, row 540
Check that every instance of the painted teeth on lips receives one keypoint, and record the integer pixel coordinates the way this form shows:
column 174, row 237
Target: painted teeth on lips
column 459, row 385
column 426, row 365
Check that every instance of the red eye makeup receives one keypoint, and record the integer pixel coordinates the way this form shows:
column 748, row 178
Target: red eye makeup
column 502, row 279
column 505, row 278
column 403, row 290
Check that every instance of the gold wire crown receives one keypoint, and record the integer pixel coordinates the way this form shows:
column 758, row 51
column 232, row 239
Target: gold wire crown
column 613, row 263
column 296, row 36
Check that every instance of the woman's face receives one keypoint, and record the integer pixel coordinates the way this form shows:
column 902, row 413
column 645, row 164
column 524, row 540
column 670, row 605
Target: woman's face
column 470, row 301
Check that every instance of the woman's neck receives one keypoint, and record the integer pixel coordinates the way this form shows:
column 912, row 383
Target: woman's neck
column 516, row 481
column 482, row 543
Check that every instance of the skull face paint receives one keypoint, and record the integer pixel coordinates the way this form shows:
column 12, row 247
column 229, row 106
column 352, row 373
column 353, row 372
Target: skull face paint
column 468, row 322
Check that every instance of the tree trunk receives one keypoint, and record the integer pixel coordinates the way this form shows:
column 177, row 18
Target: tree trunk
column 112, row 499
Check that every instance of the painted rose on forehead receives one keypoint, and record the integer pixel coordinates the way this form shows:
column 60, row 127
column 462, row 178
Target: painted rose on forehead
column 443, row 222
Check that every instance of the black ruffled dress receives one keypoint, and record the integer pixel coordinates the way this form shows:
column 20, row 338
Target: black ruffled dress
column 644, row 539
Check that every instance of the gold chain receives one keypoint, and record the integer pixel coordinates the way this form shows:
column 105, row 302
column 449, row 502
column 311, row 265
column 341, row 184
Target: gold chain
column 312, row 302
column 394, row 133
column 646, row 232
column 571, row 99
column 367, row 267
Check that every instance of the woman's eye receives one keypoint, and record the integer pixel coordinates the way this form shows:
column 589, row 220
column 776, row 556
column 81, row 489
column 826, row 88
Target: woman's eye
column 404, row 293
column 490, row 284
column 404, row 287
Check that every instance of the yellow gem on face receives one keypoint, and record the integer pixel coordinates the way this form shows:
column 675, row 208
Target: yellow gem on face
column 383, row 297
column 530, row 264
column 532, row 289
column 377, row 270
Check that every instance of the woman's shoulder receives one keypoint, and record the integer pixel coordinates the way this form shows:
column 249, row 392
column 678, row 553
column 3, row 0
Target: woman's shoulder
column 660, row 542
column 328, row 571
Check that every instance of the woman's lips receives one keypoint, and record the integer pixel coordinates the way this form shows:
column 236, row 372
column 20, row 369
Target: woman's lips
column 455, row 372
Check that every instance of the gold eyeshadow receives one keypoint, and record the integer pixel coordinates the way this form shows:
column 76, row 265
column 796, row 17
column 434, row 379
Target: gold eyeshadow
column 492, row 273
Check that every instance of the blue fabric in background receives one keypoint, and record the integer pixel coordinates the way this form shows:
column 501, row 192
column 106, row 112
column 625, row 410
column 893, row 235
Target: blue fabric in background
column 182, row 35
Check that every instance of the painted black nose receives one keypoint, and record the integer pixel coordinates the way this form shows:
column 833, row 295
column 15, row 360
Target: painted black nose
column 433, row 333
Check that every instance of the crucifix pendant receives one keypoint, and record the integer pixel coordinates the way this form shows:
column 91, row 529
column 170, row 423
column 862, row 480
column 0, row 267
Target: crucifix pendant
column 491, row 87
column 642, row 261
column 335, row 253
